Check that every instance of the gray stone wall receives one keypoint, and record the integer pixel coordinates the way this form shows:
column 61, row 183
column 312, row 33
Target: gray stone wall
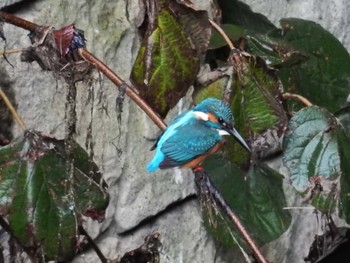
column 334, row 15
column 141, row 203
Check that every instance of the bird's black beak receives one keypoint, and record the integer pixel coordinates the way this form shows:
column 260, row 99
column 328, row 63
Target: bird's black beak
column 234, row 133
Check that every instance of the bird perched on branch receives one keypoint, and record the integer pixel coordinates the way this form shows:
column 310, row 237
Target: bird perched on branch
column 194, row 135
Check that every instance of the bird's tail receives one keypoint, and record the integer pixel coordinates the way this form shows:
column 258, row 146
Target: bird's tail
column 151, row 167
column 154, row 164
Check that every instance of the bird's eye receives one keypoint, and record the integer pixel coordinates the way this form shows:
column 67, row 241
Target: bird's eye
column 221, row 121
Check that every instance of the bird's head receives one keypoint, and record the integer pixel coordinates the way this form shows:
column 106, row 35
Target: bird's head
column 217, row 114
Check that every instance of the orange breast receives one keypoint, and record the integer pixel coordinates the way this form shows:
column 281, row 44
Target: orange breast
column 197, row 161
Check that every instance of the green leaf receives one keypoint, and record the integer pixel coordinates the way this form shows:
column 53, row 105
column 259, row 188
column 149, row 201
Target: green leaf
column 316, row 153
column 275, row 53
column 343, row 115
column 43, row 213
column 195, row 23
column 232, row 31
column 166, row 64
column 214, row 89
column 324, row 77
column 311, row 147
column 255, row 105
column 344, row 137
column 240, row 14
column 257, row 45
column 257, row 199
column 324, row 196
column 91, row 200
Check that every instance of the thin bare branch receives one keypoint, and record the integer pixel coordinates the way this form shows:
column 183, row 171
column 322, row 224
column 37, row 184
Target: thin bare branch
column 12, row 110
column 17, row 21
column 93, row 245
column 130, row 92
column 222, row 33
column 11, row 51
column 297, row 97
column 299, row 208
column 202, row 179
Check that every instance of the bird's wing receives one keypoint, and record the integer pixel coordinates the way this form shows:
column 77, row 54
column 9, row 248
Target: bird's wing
column 187, row 143
column 154, row 146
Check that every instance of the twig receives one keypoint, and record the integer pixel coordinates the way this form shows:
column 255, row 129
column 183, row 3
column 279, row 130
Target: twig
column 298, row 208
column 12, row 110
column 222, row 33
column 2, row 258
column 130, row 92
column 297, row 97
column 17, row 21
column 203, row 179
column 11, row 51
column 93, row 245
column 99, row 64
column 244, row 253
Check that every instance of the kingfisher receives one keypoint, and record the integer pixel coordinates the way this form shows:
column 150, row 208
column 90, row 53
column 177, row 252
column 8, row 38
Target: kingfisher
column 194, row 135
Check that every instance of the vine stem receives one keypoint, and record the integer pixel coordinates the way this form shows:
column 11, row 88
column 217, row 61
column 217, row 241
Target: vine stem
column 17, row 21
column 130, row 92
column 222, row 33
column 202, row 179
column 297, row 97
column 12, row 109
column 94, row 246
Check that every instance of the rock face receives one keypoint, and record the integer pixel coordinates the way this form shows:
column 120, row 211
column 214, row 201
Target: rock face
column 141, row 203
column 332, row 15
column 7, row 3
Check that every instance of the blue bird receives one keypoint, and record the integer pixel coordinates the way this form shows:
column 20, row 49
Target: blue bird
column 194, row 135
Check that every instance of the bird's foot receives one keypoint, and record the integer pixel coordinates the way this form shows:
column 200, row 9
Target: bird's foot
column 198, row 168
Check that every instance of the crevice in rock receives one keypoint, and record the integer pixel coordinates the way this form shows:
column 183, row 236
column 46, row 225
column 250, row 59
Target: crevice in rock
column 6, row 119
column 17, row 6
column 149, row 220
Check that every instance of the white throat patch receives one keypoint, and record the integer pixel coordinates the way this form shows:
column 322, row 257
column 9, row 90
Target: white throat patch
column 223, row 132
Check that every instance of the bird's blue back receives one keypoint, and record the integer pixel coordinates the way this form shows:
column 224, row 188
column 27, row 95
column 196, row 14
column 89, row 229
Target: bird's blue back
column 185, row 139
column 188, row 137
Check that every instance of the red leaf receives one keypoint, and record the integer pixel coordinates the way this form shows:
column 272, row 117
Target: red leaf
column 63, row 38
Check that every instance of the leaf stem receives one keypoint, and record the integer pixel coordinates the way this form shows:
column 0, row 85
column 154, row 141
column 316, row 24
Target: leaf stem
column 130, row 92
column 12, row 109
column 297, row 97
column 222, row 33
